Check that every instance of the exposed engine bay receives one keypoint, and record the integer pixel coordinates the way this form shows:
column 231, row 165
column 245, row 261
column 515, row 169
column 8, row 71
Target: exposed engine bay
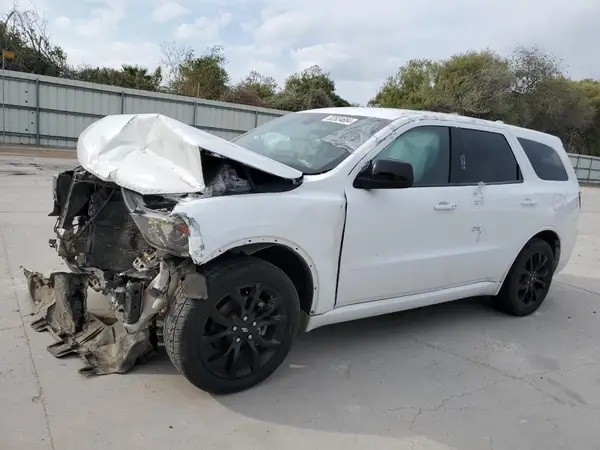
column 132, row 249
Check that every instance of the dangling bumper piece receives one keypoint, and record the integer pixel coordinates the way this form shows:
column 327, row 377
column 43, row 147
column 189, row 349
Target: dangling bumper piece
column 104, row 347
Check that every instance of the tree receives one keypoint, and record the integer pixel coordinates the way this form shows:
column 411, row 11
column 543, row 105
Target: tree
column 24, row 33
column 412, row 87
column 475, row 84
column 202, row 77
column 255, row 90
column 588, row 141
column 309, row 89
column 543, row 97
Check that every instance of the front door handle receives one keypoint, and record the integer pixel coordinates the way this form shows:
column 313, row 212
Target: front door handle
column 529, row 202
column 444, row 206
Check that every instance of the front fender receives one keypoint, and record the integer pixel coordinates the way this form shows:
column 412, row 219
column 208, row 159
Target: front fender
column 310, row 224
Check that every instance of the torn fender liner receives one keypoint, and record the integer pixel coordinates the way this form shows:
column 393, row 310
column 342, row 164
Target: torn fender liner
column 106, row 348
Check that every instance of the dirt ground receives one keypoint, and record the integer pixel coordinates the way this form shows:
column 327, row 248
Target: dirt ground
column 458, row 375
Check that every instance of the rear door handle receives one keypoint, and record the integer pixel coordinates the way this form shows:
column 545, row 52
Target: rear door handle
column 444, row 206
column 528, row 202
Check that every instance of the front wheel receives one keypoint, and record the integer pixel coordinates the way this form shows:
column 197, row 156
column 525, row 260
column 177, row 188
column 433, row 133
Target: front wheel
column 241, row 333
column 528, row 281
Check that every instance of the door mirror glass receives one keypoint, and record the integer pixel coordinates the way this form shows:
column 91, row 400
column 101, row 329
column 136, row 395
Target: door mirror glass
column 385, row 174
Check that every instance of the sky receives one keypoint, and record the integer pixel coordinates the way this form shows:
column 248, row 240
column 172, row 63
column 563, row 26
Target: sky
column 359, row 42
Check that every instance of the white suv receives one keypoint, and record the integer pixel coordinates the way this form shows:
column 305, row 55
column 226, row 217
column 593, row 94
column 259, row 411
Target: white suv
column 314, row 218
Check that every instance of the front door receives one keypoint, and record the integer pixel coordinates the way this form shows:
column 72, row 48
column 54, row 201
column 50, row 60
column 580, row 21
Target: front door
column 406, row 241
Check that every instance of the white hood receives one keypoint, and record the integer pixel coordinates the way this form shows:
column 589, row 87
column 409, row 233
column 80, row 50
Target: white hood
column 154, row 154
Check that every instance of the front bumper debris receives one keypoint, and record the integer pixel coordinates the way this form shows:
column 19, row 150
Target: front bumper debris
column 104, row 347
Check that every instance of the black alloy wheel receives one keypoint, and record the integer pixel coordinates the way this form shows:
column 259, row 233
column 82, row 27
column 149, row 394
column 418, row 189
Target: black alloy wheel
column 534, row 278
column 528, row 281
column 243, row 331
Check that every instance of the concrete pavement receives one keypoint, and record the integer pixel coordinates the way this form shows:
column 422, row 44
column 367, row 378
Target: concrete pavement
column 458, row 375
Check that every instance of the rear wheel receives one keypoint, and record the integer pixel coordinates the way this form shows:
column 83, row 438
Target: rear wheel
column 528, row 281
column 239, row 335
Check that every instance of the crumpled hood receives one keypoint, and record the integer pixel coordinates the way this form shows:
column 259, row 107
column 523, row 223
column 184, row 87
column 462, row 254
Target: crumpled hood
column 154, row 154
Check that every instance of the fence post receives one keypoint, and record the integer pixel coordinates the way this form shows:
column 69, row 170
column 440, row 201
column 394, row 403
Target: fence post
column 122, row 102
column 37, row 112
column 195, row 106
column 255, row 118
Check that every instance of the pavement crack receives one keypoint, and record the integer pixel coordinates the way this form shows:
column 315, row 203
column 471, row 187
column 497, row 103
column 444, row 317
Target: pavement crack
column 35, row 371
column 414, row 419
column 510, row 376
column 474, row 391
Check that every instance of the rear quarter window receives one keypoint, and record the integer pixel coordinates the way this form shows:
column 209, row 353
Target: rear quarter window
column 545, row 161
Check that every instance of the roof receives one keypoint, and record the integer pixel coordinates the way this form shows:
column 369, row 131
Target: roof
column 395, row 114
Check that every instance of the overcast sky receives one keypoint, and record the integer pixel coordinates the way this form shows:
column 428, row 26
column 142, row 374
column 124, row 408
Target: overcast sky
column 359, row 42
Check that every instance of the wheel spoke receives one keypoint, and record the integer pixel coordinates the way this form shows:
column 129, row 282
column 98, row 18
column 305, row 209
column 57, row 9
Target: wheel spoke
column 266, row 313
column 252, row 356
column 237, row 297
column 219, row 318
column 222, row 356
column 267, row 322
column 543, row 260
column 529, row 264
column 234, row 363
column 217, row 336
column 267, row 343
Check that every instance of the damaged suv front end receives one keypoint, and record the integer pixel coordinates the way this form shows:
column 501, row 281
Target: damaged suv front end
column 118, row 234
column 124, row 245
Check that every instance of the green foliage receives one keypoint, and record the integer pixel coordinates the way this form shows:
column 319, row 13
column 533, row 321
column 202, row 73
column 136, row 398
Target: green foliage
column 411, row 88
column 204, row 76
column 133, row 77
column 254, row 90
column 312, row 88
column 529, row 88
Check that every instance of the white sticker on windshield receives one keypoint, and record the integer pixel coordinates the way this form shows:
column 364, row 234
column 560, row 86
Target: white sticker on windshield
column 344, row 120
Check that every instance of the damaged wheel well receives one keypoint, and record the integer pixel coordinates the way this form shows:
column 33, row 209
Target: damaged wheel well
column 286, row 259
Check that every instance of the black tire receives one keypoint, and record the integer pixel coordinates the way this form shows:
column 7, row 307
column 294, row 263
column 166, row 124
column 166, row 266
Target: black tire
column 195, row 328
column 528, row 281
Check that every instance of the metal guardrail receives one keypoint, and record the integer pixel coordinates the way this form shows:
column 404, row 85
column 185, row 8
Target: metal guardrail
column 587, row 168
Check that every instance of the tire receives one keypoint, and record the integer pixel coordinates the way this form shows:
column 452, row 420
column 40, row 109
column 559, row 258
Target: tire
column 208, row 340
column 528, row 281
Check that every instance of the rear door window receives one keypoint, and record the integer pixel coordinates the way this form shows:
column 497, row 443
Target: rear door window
column 545, row 161
column 482, row 156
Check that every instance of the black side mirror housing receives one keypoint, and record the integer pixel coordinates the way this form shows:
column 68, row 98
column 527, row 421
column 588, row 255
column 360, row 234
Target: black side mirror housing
column 385, row 174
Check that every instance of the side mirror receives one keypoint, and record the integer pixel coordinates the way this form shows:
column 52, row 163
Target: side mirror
column 385, row 174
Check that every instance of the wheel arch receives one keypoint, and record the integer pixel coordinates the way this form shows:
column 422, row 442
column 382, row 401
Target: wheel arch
column 288, row 257
column 549, row 235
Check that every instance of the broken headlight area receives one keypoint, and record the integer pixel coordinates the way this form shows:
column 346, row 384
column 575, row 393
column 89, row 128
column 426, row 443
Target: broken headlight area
column 161, row 230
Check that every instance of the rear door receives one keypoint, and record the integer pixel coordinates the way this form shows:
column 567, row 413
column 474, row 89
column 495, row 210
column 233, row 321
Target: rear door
column 505, row 209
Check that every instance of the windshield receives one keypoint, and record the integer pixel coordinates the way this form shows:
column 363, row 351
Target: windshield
column 311, row 142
